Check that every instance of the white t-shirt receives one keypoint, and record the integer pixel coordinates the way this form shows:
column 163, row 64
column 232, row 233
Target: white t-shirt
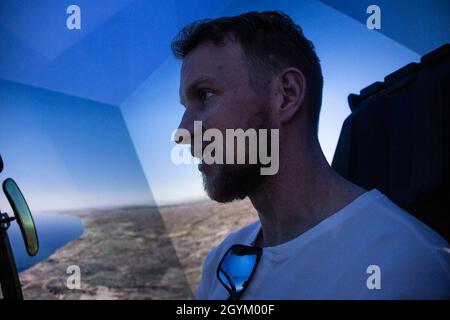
column 370, row 249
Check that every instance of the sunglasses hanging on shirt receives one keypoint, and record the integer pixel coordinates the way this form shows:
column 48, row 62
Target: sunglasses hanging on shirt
column 237, row 267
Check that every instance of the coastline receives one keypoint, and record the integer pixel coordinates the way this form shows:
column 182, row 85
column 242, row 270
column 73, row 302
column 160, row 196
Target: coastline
column 55, row 230
column 137, row 252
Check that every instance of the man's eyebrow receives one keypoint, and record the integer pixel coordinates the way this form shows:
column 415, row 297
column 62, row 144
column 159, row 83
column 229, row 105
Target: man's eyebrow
column 190, row 87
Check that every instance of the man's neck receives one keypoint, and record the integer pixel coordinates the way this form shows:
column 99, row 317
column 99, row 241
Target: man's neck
column 299, row 196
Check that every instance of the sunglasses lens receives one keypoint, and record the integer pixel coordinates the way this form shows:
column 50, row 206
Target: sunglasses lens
column 236, row 269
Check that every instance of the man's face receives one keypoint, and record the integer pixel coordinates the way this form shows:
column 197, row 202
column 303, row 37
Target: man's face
column 215, row 89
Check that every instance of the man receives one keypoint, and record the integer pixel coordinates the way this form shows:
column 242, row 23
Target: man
column 322, row 237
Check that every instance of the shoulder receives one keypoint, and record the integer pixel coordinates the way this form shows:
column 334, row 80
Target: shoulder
column 413, row 258
column 390, row 218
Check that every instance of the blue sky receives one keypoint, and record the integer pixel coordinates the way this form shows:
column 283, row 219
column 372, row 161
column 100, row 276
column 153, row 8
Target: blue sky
column 66, row 152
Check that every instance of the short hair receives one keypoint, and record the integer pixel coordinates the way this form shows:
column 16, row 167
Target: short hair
column 271, row 42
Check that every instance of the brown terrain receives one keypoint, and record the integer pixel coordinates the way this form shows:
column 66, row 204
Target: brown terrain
column 138, row 252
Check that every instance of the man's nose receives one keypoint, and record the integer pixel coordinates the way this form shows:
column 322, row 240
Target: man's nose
column 187, row 123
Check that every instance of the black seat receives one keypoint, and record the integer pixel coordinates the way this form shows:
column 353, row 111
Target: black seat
column 397, row 139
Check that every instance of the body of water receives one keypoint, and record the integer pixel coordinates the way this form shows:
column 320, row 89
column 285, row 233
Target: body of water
column 54, row 231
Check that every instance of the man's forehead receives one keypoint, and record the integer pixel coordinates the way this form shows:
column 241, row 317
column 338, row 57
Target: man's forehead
column 209, row 60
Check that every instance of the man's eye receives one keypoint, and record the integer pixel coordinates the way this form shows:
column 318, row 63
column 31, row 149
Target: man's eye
column 204, row 95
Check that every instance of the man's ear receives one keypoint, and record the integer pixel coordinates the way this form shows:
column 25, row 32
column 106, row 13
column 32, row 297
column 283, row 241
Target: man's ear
column 292, row 88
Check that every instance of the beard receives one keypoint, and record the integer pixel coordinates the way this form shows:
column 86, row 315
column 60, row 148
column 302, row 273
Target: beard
column 231, row 182
column 227, row 182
